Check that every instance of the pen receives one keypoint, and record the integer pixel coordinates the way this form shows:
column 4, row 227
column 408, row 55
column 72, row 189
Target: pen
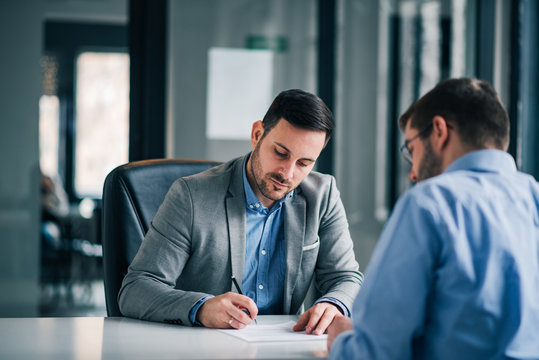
column 241, row 293
column 236, row 285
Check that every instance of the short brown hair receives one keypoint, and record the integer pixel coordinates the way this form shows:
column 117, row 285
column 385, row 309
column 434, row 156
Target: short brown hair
column 301, row 109
column 472, row 106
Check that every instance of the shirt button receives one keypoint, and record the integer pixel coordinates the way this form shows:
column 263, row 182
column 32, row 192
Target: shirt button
column 257, row 205
column 261, row 286
column 250, row 206
column 263, row 252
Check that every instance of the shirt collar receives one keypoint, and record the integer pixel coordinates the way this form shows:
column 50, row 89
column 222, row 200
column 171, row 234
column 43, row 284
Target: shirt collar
column 487, row 160
column 251, row 200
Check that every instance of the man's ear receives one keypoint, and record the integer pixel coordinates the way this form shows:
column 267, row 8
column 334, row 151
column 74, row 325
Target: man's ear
column 441, row 136
column 256, row 132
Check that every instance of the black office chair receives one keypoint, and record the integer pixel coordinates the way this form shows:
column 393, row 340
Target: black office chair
column 132, row 195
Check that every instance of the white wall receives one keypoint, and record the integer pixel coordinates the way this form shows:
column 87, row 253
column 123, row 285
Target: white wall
column 195, row 27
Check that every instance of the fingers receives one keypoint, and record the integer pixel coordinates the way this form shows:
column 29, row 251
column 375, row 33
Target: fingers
column 338, row 325
column 235, row 324
column 325, row 320
column 245, row 303
column 317, row 319
column 226, row 311
column 237, row 317
column 243, row 311
column 316, row 314
column 332, row 334
column 302, row 322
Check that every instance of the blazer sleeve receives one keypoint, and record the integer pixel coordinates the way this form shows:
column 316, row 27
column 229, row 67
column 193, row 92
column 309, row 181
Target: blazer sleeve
column 148, row 290
column 337, row 271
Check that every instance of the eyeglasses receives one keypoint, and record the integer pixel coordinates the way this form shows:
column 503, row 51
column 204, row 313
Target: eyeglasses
column 406, row 154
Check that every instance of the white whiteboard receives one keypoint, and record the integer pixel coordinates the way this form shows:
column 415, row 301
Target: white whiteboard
column 240, row 90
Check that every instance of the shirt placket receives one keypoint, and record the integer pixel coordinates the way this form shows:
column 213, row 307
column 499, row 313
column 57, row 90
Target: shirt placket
column 264, row 255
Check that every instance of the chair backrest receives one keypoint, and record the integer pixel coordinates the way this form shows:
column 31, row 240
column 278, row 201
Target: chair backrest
column 132, row 195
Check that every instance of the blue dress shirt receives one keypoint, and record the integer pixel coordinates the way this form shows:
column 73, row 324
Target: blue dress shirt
column 455, row 274
column 265, row 257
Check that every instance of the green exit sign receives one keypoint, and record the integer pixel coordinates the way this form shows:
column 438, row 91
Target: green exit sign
column 260, row 42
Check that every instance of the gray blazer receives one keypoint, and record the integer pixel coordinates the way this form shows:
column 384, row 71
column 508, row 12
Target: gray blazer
column 197, row 241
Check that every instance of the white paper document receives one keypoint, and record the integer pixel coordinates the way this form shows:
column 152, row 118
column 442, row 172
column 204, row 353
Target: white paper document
column 272, row 333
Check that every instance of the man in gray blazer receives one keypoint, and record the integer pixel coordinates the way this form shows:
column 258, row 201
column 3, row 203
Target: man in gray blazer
column 265, row 219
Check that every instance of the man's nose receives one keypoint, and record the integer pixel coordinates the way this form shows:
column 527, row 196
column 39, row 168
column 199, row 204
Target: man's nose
column 412, row 175
column 288, row 170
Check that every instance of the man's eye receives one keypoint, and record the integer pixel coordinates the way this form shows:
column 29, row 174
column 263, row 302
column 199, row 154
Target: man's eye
column 280, row 154
column 302, row 164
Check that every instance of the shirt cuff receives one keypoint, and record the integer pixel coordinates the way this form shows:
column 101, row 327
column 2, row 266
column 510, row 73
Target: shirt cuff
column 194, row 310
column 335, row 302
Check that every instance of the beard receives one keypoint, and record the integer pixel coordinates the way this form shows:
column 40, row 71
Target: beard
column 431, row 165
column 263, row 181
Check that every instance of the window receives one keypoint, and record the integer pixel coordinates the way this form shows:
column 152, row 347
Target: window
column 84, row 113
column 49, row 131
column 433, row 40
column 102, row 119
column 49, row 118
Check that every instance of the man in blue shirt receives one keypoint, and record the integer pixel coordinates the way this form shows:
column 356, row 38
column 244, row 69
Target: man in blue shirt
column 265, row 218
column 455, row 274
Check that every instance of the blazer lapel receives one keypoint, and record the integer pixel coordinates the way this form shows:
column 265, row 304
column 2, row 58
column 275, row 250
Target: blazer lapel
column 294, row 233
column 235, row 214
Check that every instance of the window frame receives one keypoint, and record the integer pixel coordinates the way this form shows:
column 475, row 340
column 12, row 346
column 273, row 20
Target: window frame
column 65, row 41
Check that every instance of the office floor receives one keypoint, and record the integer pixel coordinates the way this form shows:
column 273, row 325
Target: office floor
column 74, row 300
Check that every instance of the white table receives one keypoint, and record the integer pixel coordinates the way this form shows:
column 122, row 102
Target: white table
column 123, row 338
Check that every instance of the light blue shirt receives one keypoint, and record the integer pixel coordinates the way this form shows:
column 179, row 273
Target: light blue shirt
column 265, row 257
column 455, row 274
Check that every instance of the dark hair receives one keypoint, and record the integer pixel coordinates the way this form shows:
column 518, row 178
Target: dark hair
column 472, row 106
column 301, row 109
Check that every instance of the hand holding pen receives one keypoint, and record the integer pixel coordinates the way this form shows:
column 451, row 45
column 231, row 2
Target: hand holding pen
column 241, row 293
column 229, row 310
